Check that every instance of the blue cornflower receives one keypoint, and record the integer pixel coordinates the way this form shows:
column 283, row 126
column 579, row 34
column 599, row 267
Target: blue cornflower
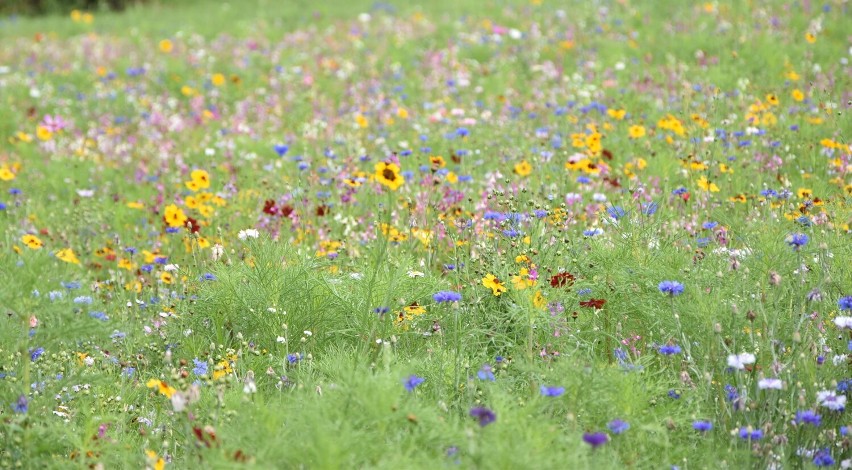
column 99, row 315
column 483, row 415
column 83, row 299
column 754, row 435
column 618, row 426
column 381, row 310
column 650, row 208
column 823, row 458
column 797, row 241
column 128, row 371
column 511, row 233
column 21, row 405
column 36, row 353
column 584, row 179
column 201, row 367
column 412, row 382
column 702, row 426
column 55, row 294
column 808, row 417
column 674, row 394
column 595, row 439
column 147, row 268
column 486, row 373
column 446, row 296
column 669, row 349
column 680, row 191
column 208, row 277
column 71, row 285
column 671, row 288
column 547, row 391
column 280, row 149
column 293, row 358
column 593, row 232
column 709, row 225
column 584, row 291
column 172, row 229
column 845, row 303
column 540, row 213
column 703, row 241
column 616, row 212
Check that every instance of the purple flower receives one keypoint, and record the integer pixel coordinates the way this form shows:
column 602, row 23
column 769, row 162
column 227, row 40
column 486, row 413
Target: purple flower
column 754, row 435
column 21, row 406
column 845, row 303
column 808, row 417
column 36, row 353
column 486, row 373
column 412, row 382
column 702, row 426
column 797, row 241
column 616, row 212
column 200, row 368
column 823, row 458
column 483, row 415
column 671, row 288
column 551, row 391
column 446, row 296
column 669, row 349
column 618, row 426
column 595, row 439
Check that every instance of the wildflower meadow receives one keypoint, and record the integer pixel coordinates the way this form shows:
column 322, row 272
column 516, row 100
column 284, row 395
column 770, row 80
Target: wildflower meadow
column 436, row 234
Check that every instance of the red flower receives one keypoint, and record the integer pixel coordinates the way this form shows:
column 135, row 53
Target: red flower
column 269, row 207
column 597, row 304
column 563, row 279
column 192, row 224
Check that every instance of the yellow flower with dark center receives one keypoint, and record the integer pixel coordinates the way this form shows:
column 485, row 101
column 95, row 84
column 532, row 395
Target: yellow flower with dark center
column 437, row 162
column 67, row 255
column 706, row 185
column 174, row 216
column 772, row 99
column 43, row 133
column 523, row 168
column 162, row 387
column 388, row 175
column 805, row 193
column 636, row 131
column 32, row 242
column 222, row 369
column 494, row 284
column 166, row 277
column 810, row 37
column 617, row 114
column 201, row 178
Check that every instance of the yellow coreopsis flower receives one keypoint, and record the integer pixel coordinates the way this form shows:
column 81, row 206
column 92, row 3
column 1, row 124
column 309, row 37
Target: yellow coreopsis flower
column 523, row 168
column 494, row 284
column 706, row 185
column 388, row 174
column 68, row 256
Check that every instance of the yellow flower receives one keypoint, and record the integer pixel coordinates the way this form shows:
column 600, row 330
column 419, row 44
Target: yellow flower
column 361, row 121
column 158, row 462
column 222, row 369
column 166, row 277
column 162, row 387
column 522, row 280
column 772, row 99
column 6, row 174
column 792, row 75
column 135, row 205
column 174, row 216
column 191, row 202
column 523, row 168
column 636, row 131
column 538, row 300
column 32, row 242
column 192, row 186
column 166, row 46
column 494, row 284
column 805, row 193
column 706, row 185
column 388, row 175
column 43, row 133
column 797, row 95
column 437, row 162
column 617, row 114
column 67, row 255
column 125, row 263
column 402, row 113
column 810, row 37
column 217, row 79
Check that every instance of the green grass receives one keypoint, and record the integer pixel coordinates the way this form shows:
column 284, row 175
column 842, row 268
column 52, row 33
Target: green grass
column 309, row 331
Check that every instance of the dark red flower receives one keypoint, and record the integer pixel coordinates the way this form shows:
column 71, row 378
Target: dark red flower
column 285, row 210
column 192, row 225
column 563, row 279
column 594, row 303
column 269, row 207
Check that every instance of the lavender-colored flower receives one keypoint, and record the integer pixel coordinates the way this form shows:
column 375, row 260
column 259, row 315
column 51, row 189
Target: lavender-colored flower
column 201, row 367
column 669, row 349
column 754, row 435
column 36, row 353
column 483, row 415
column 797, row 240
column 446, row 296
column 21, row 405
column 808, row 417
column 595, row 439
column 671, row 288
column 649, row 208
column 547, row 391
column 831, row 400
column 702, row 426
column 412, row 382
column 618, row 426
column 616, row 212
column 823, row 458
column 486, row 373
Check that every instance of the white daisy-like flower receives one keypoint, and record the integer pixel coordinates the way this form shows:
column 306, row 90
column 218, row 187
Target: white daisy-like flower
column 739, row 361
column 843, row 322
column 248, row 233
column 831, row 400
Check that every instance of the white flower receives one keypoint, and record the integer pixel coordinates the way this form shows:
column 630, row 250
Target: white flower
column 771, row 383
column 307, row 333
column 217, row 251
column 831, row 400
column 85, row 192
column 415, row 274
column 248, row 233
column 178, row 401
column 89, row 360
column 281, row 339
column 843, row 322
column 739, row 361
column 169, row 268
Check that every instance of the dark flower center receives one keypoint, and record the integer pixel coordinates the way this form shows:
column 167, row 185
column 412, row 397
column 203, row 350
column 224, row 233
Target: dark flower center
column 389, row 174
